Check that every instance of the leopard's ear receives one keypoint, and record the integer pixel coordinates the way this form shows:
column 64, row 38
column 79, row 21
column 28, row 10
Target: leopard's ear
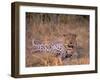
column 75, row 35
column 65, row 34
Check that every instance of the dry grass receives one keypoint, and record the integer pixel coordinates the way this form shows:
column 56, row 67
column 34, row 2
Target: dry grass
column 43, row 59
column 83, row 60
column 53, row 30
column 47, row 59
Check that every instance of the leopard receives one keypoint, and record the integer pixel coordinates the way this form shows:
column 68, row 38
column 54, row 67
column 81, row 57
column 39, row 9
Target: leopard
column 65, row 49
column 70, row 44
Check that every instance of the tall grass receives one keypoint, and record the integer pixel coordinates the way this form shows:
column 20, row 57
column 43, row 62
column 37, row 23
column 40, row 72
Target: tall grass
column 43, row 59
column 51, row 27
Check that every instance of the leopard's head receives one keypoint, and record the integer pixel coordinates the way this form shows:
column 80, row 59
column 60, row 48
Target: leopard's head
column 70, row 42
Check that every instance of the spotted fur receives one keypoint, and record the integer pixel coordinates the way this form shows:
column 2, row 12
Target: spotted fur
column 67, row 49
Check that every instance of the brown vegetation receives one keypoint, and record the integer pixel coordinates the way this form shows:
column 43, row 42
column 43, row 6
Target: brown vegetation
column 43, row 59
column 51, row 27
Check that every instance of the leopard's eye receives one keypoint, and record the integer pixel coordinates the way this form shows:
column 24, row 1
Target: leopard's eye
column 70, row 42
